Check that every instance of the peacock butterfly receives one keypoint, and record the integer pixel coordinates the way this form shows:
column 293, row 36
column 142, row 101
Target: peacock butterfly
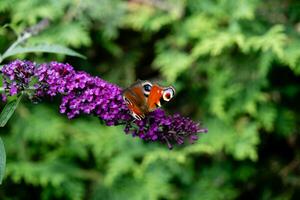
column 143, row 97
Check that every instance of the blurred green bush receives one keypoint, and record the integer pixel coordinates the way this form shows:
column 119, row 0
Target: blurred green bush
column 235, row 65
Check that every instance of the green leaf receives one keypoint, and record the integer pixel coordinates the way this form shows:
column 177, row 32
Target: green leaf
column 47, row 48
column 2, row 160
column 8, row 111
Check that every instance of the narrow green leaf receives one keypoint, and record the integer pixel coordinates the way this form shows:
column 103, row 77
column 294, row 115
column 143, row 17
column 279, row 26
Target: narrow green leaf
column 47, row 48
column 2, row 160
column 8, row 111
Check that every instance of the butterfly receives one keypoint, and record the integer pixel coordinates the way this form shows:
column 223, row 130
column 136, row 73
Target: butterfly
column 143, row 97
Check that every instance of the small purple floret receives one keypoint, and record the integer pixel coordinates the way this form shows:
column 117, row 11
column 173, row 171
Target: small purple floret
column 85, row 94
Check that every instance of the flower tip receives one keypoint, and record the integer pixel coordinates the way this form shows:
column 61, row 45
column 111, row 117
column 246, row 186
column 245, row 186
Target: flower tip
column 204, row 130
column 3, row 97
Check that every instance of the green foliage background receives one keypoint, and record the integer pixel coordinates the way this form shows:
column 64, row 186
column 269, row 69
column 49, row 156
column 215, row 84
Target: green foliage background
column 235, row 65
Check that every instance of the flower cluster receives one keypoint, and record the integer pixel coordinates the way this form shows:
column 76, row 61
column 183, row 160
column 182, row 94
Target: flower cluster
column 167, row 128
column 84, row 94
column 17, row 77
column 81, row 92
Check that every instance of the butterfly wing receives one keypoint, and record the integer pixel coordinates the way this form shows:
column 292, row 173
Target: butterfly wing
column 136, row 101
column 158, row 95
column 154, row 97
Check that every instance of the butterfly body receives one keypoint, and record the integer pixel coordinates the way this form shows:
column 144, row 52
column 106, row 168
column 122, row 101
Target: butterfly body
column 143, row 97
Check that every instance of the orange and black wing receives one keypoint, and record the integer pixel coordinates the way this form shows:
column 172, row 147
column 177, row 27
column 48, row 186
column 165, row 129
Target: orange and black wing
column 158, row 95
column 136, row 101
column 154, row 97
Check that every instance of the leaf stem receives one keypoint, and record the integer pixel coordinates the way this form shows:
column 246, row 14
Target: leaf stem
column 27, row 33
column 20, row 39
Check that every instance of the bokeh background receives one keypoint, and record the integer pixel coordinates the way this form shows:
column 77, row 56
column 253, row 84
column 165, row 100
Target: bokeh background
column 235, row 65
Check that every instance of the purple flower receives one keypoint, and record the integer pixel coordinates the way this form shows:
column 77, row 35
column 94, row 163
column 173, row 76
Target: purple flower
column 169, row 129
column 17, row 76
column 84, row 94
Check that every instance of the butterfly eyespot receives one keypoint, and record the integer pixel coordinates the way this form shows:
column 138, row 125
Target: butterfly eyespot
column 147, row 88
column 168, row 94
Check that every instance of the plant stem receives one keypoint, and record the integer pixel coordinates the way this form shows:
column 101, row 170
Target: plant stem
column 20, row 39
column 29, row 88
column 27, row 33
